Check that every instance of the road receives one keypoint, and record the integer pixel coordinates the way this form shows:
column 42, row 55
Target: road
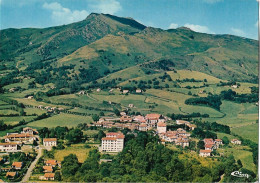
column 30, row 169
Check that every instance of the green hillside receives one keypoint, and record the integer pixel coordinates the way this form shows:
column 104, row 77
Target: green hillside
column 114, row 53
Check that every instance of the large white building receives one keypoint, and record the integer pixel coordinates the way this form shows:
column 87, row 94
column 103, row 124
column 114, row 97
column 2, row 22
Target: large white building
column 49, row 142
column 113, row 142
column 23, row 137
column 8, row 147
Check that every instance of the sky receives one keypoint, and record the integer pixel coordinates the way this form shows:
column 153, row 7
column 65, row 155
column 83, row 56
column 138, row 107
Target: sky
column 236, row 17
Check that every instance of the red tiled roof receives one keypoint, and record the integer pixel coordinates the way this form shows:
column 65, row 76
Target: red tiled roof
column 22, row 135
column 8, row 143
column 11, row 174
column 161, row 124
column 143, row 125
column 205, row 151
column 208, row 145
column 153, row 116
column 49, row 175
column 109, row 138
column 50, row 140
column 219, row 140
column 17, row 164
column 51, row 161
column 208, row 139
column 48, row 168
column 235, row 140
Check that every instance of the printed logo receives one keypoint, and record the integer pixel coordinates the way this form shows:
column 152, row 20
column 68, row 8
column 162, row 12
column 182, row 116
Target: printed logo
column 239, row 174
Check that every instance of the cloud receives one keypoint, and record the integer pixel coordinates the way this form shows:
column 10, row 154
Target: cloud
column 106, row 6
column 212, row 1
column 238, row 32
column 173, row 26
column 61, row 15
column 199, row 28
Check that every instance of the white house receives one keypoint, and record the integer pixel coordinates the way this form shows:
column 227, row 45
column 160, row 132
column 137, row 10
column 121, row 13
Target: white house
column 236, row 141
column 205, row 153
column 113, row 142
column 161, row 127
column 49, row 142
column 29, row 131
column 143, row 127
column 153, row 119
column 8, row 147
column 125, row 91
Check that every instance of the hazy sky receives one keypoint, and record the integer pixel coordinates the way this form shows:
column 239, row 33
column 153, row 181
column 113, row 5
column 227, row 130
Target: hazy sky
column 237, row 17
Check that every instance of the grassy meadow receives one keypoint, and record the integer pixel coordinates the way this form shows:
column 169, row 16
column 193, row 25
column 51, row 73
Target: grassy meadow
column 61, row 119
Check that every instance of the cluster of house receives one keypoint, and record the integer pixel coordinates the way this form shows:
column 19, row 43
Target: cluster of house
column 141, row 123
column 14, row 140
column 82, row 92
column 49, row 108
column 186, row 123
column 179, row 137
column 13, row 171
column 210, row 145
column 48, row 169
column 114, row 142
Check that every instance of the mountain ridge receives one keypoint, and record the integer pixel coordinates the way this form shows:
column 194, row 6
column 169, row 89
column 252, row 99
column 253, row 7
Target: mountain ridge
column 104, row 43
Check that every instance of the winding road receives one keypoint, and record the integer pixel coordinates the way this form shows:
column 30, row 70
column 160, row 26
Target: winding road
column 30, row 169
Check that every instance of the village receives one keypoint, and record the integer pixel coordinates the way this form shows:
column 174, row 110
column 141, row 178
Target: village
column 113, row 142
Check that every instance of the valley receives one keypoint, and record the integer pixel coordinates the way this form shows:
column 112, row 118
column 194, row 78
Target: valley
column 65, row 82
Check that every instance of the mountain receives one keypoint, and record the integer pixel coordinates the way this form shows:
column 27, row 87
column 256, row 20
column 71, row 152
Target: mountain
column 40, row 44
column 103, row 44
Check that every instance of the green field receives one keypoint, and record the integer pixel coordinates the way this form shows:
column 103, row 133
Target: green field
column 15, row 119
column 61, row 119
column 248, row 131
column 242, row 153
column 78, row 149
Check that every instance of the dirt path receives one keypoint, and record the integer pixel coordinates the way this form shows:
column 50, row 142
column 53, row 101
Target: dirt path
column 30, row 169
column 91, row 97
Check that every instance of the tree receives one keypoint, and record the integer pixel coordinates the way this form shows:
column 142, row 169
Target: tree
column 117, row 112
column 225, row 140
column 3, row 126
column 101, row 134
column 101, row 113
column 200, row 144
column 74, row 136
column 57, row 176
column 35, row 143
column 70, row 166
column 239, row 163
column 95, row 117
